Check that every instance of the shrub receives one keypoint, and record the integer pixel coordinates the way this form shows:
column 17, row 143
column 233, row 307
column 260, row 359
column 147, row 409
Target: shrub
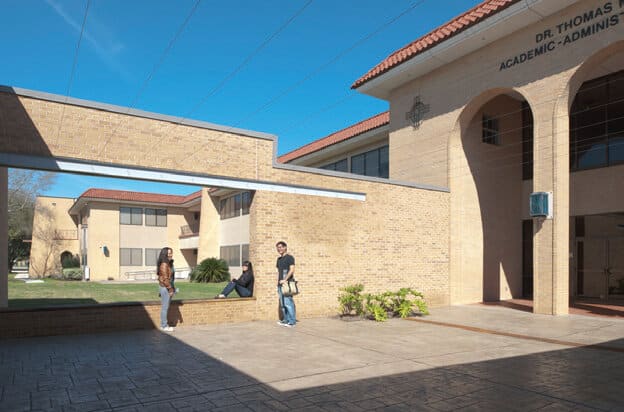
column 70, row 262
column 72, row 274
column 350, row 300
column 211, row 270
column 380, row 306
column 69, row 274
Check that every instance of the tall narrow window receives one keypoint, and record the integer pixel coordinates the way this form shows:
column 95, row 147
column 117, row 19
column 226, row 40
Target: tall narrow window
column 491, row 130
column 527, row 142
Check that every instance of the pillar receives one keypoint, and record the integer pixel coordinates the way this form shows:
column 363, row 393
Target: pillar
column 4, row 237
column 551, row 236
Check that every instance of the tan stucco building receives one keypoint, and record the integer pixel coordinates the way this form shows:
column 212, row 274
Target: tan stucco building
column 510, row 98
column 117, row 235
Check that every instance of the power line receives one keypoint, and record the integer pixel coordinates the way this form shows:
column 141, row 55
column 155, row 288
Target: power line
column 70, row 81
column 246, row 61
column 157, row 65
column 323, row 66
column 330, row 62
column 75, row 62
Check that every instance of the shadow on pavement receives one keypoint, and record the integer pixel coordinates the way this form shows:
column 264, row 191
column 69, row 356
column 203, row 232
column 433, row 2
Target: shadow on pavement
column 150, row 370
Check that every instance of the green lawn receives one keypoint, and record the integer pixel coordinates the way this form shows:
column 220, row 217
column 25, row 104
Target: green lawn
column 59, row 292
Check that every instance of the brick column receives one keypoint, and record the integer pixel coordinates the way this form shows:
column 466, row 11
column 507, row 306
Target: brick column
column 551, row 236
column 4, row 237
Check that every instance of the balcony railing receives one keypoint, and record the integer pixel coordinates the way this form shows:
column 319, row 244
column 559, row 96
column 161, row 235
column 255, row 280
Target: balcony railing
column 189, row 230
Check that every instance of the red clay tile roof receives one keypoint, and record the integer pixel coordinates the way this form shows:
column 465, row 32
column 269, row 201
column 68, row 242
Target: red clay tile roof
column 139, row 196
column 339, row 136
column 464, row 21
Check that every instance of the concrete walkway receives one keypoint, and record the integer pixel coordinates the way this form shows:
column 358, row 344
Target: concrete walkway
column 473, row 358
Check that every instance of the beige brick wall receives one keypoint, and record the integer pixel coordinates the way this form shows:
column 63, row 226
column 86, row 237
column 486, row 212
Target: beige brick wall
column 397, row 237
column 17, row 323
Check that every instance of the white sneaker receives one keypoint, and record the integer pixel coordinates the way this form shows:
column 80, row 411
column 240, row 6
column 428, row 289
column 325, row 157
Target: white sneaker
column 166, row 329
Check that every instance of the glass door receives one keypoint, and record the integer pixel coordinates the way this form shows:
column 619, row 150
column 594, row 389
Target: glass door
column 615, row 267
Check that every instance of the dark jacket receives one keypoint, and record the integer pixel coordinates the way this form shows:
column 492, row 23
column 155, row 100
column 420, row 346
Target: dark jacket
column 246, row 280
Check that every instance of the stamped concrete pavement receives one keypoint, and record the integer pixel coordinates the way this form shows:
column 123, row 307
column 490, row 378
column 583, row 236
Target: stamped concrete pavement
column 472, row 358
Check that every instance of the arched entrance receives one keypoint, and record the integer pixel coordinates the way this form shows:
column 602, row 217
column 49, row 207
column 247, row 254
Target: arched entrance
column 490, row 172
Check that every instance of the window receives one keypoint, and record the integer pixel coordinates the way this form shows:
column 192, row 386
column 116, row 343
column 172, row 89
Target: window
column 597, row 124
column 236, row 205
column 235, row 255
column 339, row 166
column 246, row 202
column 244, row 252
column 231, row 254
column 151, row 256
column 131, row 257
column 130, row 216
column 527, row 142
column 155, row 217
column 491, row 131
column 372, row 163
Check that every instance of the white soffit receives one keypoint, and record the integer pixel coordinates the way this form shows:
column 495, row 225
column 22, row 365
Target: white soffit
column 504, row 23
column 98, row 169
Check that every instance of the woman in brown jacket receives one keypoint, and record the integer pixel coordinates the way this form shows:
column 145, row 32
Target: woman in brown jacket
column 163, row 268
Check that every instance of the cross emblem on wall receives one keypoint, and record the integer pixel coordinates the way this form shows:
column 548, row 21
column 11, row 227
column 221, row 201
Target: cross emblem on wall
column 417, row 113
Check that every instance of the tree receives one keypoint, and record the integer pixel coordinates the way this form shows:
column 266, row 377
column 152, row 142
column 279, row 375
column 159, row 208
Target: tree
column 24, row 187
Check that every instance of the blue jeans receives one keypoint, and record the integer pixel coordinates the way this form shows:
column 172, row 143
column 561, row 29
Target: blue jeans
column 288, row 307
column 165, row 300
column 242, row 291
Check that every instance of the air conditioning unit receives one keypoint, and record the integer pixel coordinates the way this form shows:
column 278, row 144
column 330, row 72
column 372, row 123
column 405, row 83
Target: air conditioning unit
column 541, row 204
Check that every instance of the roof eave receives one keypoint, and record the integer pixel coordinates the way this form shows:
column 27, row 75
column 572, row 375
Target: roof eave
column 515, row 17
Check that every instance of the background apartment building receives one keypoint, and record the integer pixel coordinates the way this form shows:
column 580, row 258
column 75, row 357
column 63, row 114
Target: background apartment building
column 118, row 234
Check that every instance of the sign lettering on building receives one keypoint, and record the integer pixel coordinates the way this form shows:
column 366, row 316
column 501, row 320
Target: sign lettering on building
column 565, row 33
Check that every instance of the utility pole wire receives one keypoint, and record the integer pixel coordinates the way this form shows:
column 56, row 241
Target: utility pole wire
column 75, row 62
column 70, row 82
column 233, row 73
column 323, row 66
column 164, row 54
column 157, row 65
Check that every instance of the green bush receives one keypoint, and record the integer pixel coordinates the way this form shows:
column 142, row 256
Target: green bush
column 351, row 301
column 211, row 270
column 70, row 262
column 69, row 274
column 402, row 303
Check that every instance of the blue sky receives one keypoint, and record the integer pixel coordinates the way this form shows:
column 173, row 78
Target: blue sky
column 281, row 67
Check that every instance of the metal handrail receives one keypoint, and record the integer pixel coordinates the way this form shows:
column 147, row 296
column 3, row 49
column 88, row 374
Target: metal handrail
column 150, row 274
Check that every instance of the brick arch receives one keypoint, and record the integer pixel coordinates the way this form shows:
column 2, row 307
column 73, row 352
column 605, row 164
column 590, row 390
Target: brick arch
column 477, row 263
